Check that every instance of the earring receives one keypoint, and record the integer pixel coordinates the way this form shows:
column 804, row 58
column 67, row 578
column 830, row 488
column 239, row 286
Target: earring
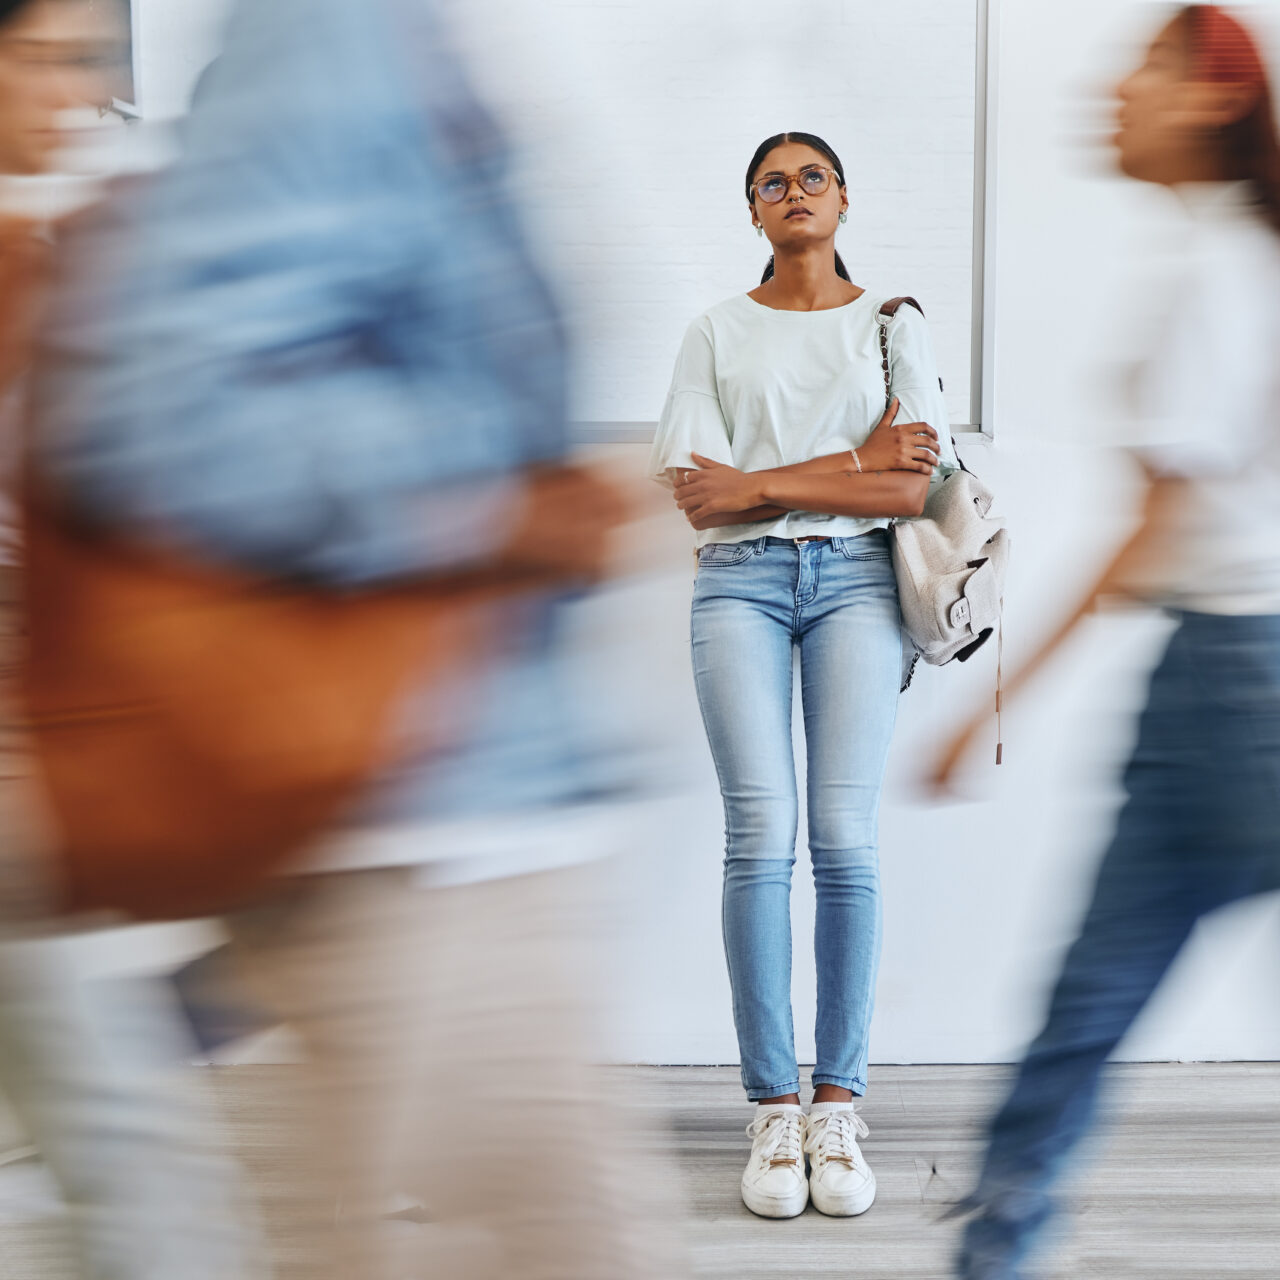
column 844, row 217
column 759, row 230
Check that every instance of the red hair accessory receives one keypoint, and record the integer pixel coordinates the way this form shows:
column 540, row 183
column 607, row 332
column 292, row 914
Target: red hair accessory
column 1223, row 50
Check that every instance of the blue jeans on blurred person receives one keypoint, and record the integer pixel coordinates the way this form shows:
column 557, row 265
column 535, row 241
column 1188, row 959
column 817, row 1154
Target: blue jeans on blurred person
column 754, row 603
column 1201, row 829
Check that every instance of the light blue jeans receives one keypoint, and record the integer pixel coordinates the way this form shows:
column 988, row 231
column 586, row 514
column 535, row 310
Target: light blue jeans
column 754, row 604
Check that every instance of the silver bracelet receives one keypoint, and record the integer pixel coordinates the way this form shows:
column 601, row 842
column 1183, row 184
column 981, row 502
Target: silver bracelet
column 857, row 462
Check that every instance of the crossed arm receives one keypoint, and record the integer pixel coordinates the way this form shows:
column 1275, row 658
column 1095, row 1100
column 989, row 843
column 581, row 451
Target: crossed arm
column 896, row 464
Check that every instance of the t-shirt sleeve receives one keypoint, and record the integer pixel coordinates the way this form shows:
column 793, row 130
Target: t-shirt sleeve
column 1209, row 360
column 913, row 371
column 692, row 420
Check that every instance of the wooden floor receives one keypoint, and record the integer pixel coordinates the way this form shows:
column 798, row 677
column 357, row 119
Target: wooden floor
column 1186, row 1182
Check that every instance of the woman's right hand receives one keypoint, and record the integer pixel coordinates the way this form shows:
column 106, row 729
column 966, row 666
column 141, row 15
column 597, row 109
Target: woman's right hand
column 910, row 447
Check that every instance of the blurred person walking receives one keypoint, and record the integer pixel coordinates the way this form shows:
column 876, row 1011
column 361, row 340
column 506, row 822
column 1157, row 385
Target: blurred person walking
column 93, row 1068
column 1201, row 826
column 317, row 349
column 781, row 455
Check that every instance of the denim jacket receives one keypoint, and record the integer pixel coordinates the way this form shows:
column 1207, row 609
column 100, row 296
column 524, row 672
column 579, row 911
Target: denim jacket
column 317, row 346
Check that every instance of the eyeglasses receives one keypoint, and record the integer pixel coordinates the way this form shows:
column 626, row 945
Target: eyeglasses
column 814, row 179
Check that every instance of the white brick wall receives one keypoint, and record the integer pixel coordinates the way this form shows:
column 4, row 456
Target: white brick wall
column 979, row 897
column 639, row 116
column 176, row 39
column 637, row 119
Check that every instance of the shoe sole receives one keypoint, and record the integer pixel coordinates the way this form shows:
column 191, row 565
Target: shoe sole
column 846, row 1206
column 772, row 1207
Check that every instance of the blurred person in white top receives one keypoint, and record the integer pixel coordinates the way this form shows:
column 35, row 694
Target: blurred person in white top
column 1201, row 826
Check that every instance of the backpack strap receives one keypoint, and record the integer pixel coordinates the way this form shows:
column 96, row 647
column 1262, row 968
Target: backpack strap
column 887, row 312
column 894, row 305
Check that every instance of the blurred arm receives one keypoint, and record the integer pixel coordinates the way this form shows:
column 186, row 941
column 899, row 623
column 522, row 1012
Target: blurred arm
column 1128, row 574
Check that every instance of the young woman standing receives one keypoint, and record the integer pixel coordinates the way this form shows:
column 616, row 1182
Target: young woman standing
column 781, row 454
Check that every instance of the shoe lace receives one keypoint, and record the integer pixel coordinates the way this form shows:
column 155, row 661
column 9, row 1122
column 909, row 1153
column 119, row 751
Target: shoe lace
column 778, row 1135
column 834, row 1135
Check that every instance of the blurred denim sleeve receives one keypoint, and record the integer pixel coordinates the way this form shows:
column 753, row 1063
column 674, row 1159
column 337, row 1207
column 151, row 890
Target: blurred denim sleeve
column 317, row 344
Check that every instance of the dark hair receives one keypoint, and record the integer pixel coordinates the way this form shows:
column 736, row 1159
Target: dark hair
column 808, row 140
column 11, row 8
column 1222, row 49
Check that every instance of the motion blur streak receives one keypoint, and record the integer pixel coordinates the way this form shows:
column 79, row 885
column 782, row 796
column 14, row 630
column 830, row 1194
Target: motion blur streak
column 316, row 351
column 1201, row 825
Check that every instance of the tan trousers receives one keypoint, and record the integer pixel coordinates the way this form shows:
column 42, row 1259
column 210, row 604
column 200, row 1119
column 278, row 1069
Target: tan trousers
column 95, row 1071
column 448, row 1033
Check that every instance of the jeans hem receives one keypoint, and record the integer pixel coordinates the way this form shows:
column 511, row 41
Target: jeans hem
column 772, row 1091
column 857, row 1087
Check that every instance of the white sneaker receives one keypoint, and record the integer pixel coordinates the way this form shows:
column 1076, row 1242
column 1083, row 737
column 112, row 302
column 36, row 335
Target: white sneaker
column 840, row 1182
column 774, row 1185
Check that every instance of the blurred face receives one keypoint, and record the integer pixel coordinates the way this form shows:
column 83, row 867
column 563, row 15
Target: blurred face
column 801, row 216
column 55, row 55
column 1167, row 121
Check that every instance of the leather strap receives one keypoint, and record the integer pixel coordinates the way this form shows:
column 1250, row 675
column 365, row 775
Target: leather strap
column 887, row 312
column 884, row 316
column 894, row 305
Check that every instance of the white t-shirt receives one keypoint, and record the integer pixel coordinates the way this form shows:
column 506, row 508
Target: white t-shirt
column 759, row 388
column 1208, row 403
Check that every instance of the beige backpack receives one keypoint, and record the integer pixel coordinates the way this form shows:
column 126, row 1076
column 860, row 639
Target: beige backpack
column 951, row 560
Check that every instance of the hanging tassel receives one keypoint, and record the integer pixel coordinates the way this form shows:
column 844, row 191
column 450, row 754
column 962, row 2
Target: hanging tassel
column 1000, row 686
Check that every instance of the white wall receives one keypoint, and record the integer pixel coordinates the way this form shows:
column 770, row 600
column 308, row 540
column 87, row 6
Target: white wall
column 980, row 897
column 175, row 40
column 638, row 118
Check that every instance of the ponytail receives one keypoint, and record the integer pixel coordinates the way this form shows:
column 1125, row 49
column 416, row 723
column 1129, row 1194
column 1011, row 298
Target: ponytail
column 1254, row 146
column 9, row 8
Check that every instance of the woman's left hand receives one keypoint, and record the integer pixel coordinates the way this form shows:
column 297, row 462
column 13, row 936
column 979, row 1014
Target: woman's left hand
column 714, row 489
